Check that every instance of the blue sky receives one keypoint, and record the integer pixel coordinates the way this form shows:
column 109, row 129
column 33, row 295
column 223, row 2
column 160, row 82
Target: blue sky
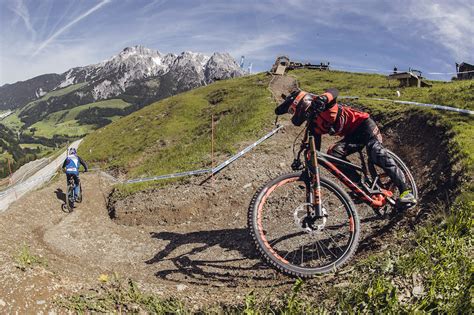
column 45, row 36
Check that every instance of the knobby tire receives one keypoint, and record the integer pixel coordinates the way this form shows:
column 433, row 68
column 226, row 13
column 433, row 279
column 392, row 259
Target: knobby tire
column 264, row 223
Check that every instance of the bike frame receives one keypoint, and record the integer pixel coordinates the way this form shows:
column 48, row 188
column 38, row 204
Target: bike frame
column 376, row 198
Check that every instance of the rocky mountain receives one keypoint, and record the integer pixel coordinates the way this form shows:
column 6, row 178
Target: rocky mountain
column 137, row 74
column 21, row 93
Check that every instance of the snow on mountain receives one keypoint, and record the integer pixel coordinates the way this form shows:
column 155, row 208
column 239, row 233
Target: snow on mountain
column 113, row 76
column 221, row 66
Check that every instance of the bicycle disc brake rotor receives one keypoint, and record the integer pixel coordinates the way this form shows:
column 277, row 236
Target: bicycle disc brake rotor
column 301, row 214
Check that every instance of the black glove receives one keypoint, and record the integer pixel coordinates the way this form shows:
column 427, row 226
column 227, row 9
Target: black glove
column 320, row 103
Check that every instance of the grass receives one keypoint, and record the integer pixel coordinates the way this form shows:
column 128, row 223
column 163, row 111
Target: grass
column 435, row 270
column 55, row 93
column 71, row 114
column 174, row 134
column 122, row 296
column 34, row 146
column 12, row 122
column 47, row 128
column 63, row 122
column 456, row 94
column 25, row 259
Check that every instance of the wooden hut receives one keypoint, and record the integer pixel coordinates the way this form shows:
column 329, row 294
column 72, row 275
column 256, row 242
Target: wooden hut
column 464, row 71
column 280, row 65
column 410, row 78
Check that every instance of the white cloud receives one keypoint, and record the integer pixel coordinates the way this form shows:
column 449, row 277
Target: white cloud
column 449, row 23
column 69, row 25
column 258, row 46
column 15, row 69
column 21, row 10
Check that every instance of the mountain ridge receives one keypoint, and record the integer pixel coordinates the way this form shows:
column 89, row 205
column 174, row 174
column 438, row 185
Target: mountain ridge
column 113, row 76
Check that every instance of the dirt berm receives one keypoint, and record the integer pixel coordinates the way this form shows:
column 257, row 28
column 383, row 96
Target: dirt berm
column 188, row 240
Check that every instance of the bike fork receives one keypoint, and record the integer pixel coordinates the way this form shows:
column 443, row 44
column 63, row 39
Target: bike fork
column 315, row 184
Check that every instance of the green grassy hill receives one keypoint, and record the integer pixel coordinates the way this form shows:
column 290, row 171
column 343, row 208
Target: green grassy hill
column 66, row 122
column 56, row 128
column 175, row 134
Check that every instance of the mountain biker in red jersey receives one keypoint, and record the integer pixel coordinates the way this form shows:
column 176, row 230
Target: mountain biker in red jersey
column 71, row 166
column 356, row 127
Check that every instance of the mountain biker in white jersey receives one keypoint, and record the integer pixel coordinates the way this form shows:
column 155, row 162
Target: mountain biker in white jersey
column 71, row 166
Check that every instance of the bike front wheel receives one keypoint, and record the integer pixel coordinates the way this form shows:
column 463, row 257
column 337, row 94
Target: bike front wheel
column 276, row 220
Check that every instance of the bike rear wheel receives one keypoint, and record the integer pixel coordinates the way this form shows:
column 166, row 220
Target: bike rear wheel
column 81, row 194
column 70, row 198
column 385, row 182
column 275, row 215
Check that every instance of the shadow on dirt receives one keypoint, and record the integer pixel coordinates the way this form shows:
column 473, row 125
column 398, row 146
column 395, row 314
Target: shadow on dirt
column 209, row 258
column 372, row 241
column 60, row 195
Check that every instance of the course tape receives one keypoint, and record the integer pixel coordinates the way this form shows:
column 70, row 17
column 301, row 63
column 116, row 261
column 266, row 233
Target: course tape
column 435, row 106
column 244, row 151
column 206, row 171
column 391, row 71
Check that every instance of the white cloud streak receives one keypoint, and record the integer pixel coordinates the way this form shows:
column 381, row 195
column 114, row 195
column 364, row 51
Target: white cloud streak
column 69, row 25
column 21, row 10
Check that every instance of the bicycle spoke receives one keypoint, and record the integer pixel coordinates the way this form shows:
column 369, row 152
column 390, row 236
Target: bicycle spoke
column 285, row 241
column 302, row 254
column 334, row 241
column 334, row 255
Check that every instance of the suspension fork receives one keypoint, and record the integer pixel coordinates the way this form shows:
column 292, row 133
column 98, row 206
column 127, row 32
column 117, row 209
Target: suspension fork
column 315, row 192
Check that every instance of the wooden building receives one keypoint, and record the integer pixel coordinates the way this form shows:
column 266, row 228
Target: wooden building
column 280, row 65
column 410, row 78
column 464, row 71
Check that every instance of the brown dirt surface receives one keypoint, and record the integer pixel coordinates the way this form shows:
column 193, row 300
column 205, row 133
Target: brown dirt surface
column 186, row 240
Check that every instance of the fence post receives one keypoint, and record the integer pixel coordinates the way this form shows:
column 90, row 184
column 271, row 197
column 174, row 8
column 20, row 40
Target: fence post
column 212, row 148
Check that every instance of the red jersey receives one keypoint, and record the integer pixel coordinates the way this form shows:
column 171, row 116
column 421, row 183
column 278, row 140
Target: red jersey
column 347, row 122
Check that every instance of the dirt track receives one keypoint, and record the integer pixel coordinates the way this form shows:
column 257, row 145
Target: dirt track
column 188, row 241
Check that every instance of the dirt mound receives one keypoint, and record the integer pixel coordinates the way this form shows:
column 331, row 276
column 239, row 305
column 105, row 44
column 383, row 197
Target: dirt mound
column 185, row 240
column 425, row 146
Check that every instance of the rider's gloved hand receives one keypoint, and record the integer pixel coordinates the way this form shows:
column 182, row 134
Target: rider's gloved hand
column 319, row 103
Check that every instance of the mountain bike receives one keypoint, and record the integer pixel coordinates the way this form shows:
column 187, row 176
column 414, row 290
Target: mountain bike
column 71, row 197
column 304, row 224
